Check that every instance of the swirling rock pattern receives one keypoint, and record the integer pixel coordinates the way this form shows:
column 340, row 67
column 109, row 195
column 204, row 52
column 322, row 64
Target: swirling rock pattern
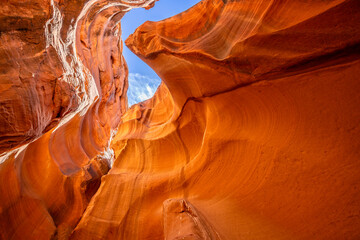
column 253, row 133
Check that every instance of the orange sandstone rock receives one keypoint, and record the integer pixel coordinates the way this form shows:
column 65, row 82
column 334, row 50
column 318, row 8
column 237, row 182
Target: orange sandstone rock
column 253, row 133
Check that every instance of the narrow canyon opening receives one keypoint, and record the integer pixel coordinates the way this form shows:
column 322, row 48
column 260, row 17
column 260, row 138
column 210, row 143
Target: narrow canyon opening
column 143, row 81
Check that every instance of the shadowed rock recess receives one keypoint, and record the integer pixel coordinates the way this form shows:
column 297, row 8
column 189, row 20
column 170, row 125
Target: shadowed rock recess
column 254, row 132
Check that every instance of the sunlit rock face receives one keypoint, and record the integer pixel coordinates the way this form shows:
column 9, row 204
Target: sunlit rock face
column 63, row 85
column 253, row 133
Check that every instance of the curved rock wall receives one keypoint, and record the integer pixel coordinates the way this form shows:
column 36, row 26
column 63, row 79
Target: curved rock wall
column 253, row 133
column 56, row 125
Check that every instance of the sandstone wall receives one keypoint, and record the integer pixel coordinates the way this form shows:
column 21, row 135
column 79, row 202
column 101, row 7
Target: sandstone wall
column 253, row 133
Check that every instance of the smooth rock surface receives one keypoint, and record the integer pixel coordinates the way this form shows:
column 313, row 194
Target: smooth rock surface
column 253, row 133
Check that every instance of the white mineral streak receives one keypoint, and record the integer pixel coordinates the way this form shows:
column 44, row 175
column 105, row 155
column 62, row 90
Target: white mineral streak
column 108, row 154
column 75, row 73
column 4, row 156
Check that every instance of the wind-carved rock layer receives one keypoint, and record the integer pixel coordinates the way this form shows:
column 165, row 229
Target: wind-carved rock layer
column 57, row 120
column 253, row 133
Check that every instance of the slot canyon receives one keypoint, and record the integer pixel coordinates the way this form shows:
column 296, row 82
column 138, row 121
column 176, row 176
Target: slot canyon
column 253, row 133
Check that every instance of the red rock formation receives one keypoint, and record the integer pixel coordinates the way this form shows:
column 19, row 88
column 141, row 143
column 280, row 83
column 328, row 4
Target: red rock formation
column 253, row 134
column 71, row 100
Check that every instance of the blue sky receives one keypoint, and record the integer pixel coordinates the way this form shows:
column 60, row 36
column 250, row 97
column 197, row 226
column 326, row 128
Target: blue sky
column 143, row 81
